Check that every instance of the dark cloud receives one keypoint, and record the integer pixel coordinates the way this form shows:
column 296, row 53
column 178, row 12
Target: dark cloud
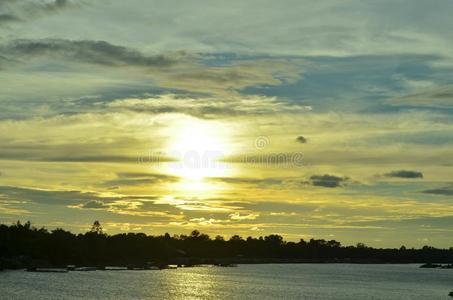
column 270, row 206
column 133, row 179
column 58, row 4
column 139, row 206
column 94, row 204
column 25, row 155
column 72, row 198
column 85, row 51
column 443, row 191
column 54, row 197
column 254, row 181
column 42, row 7
column 91, row 158
column 231, row 76
column 131, row 182
column 326, row 180
column 301, row 139
column 423, row 223
column 439, row 97
column 405, row 174
column 23, row 11
column 286, row 159
column 71, row 153
column 8, row 18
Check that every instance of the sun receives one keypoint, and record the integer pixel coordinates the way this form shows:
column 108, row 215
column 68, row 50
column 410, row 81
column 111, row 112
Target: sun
column 198, row 147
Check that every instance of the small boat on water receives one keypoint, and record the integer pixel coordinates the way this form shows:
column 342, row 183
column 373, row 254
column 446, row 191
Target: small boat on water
column 437, row 266
column 85, row 269
column 115, row 268
column 150, row 265
column 135, row 268
column 70, row 267
column 430, row 266
column 163, row 267
column 226, row 265
column 47, row 270
column 448, row 266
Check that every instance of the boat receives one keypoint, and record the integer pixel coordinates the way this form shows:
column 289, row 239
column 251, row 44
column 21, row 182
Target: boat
column 85, row 269
column 135, row 268
column 431, row 266
column 162, row 267
column 226, row 265
column 150, row 265
column 115, row 268
column 47, row 270
column 437, row 266
column 449, row 266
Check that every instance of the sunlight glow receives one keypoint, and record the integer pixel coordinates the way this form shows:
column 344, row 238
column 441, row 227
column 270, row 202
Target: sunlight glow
column 198, row 147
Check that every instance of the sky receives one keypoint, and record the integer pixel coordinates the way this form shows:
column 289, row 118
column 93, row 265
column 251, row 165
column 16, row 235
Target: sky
column 308, row 119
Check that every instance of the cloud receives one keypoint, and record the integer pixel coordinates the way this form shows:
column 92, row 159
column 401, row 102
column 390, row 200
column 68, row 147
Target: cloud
column 25, row 155
column 70, row 198
column 228, row 79
column 119, row 206
column 284, row 182
column 405, row 174
column 283, row 214
column 8, row 18
column 7, row 2
column 440, row 97
column 208, row 107
column 205, row 221
column 443, row 191
column 134, row 179
column 57, row 4
column 63, row 139
column 200, row 204
column 171, row 71
column 298, row 28
column 94, row 102
column 286, row 208
column 282, row 159
column 139, row 206
column 232, row 218
column 326, row 180
column 239, row 217
column 94, row 204
column 85, row 51
column 43, row 196
column 301, row 139
column 27, row 10
column 253, row 181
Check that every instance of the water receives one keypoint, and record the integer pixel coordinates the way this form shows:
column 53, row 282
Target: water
column 276, row 281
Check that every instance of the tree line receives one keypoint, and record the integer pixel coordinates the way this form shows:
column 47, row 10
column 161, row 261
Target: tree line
column 22, row 245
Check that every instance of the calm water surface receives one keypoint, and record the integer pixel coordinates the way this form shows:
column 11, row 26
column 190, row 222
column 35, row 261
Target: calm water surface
column 289, row 281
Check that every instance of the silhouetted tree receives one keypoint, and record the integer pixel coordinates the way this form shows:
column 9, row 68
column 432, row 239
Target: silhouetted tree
column 23, row 244
column 96, row 227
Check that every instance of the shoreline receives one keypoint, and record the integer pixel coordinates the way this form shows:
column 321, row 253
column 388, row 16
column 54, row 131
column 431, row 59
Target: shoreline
column 139, row 267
